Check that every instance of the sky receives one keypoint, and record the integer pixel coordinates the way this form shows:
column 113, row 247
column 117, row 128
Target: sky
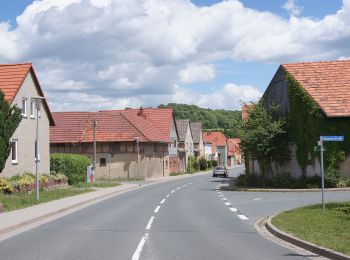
column 93, row 55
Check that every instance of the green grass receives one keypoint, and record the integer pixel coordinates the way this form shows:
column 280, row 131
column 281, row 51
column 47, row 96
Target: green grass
column 23, row 200
column 330, row 229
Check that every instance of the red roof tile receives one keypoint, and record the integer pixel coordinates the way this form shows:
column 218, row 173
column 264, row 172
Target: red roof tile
column 112, row 126
column 160, row 117
column 215, row 138
column 12, row 77
column 245, row 110
column 232, row 146
column 328, row 83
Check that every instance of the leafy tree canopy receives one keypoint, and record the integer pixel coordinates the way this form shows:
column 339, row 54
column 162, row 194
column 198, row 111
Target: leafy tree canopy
column 264, row 137
column 226, row 121
column 10, row 117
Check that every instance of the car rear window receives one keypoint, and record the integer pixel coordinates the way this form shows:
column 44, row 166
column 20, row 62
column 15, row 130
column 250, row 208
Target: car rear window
column 219, row 168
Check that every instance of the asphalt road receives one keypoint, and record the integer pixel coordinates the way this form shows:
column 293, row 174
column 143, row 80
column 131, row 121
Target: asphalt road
column 181, row 219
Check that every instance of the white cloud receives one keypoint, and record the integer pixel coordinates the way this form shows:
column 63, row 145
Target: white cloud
column 197, row 73
column 138, row 51
column 230, row 96
column 292, row 7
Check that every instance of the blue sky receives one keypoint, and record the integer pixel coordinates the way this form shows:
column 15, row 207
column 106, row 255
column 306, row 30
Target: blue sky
column 216, row 57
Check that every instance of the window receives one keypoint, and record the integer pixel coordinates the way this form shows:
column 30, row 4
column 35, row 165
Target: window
column 14, row 151
column 32, row 108
column 103, row 161
column 24, row 107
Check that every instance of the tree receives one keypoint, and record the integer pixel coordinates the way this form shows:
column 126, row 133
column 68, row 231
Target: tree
column 264, row 137
column 10, row 117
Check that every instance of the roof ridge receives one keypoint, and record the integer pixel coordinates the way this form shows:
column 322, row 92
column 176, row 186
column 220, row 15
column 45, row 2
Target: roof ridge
column 125, row 117
column 17, row 64
column 310, row 62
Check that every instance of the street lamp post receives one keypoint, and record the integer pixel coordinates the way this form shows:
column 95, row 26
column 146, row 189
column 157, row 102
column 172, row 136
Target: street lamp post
column 38, row 101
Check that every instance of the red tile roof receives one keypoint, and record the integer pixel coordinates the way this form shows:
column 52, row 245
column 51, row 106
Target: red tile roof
column 112, row 126
column 12, row 77
column 232, row 146
column 215, row 138
column 328, row 83
column 245, row 110
column 160, row 117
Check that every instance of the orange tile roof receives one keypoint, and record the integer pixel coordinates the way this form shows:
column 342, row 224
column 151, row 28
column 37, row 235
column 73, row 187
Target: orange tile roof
column 160, row 117
column 12, row 77
column 328, row 83
column 215, row 138
column 112, row 126
column 245, row 110
column 232, row 146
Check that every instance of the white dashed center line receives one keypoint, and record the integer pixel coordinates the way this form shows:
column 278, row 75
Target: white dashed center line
column 149, row 225
column 168, row 195
column 157, row 209
column 227, row 203
column 138, row 251
column 163, row 200
column 242, row 217
column 233, row 209
column 172, row 191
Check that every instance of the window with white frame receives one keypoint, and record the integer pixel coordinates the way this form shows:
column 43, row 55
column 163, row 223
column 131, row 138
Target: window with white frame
column 32, row 108
column 24, row 107
column 14, row 152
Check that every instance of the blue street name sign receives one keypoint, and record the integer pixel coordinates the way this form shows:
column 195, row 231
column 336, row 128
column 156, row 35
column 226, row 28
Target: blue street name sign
column 332, row 138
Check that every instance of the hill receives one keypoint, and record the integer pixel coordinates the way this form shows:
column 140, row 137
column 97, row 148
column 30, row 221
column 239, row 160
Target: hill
column 220, row 119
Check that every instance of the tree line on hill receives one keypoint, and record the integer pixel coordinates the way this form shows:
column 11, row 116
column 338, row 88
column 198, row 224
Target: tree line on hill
column 225, row 121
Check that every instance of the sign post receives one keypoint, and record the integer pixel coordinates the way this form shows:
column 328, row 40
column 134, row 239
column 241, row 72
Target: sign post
column 320, row 143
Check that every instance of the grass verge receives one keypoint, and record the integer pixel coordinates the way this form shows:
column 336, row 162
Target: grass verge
column 330, row 229
column 23, row 200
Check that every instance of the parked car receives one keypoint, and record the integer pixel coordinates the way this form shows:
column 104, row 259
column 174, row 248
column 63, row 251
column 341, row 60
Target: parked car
column 220, row 171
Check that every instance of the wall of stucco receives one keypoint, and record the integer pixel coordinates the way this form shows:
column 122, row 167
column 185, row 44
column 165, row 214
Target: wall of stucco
column 25, row 134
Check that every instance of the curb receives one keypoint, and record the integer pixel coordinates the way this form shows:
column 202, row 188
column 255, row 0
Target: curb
column 304, row 244
column 297, row 190
column 53, row 213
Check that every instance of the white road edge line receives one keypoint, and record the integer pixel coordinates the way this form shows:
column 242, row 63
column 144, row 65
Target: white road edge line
column 138, row 251
column 157, row 209
column 163, row 200
column 233, row 209
column 242, row 217
column 149, row 225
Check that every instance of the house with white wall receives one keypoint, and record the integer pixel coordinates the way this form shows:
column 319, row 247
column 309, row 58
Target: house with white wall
column 20, row 85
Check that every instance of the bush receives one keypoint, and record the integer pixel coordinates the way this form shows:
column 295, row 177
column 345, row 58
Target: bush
column 72, row 165
column 284, row 180
column 6, row 185
column 192, row 165
column 209, row 165
column 214, row 163
column 202, row 164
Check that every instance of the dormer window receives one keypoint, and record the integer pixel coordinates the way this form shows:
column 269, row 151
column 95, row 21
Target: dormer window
column 24, row 107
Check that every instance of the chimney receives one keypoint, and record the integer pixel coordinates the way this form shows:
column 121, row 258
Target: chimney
column 141, row 113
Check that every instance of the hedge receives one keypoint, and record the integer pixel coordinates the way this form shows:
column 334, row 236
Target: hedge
column 72, row 165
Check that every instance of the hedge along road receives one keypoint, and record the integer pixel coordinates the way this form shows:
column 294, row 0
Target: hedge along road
column 183, row 219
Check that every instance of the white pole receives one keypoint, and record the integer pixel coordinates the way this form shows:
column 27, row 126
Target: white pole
column 322, row 175
column 37, row 154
